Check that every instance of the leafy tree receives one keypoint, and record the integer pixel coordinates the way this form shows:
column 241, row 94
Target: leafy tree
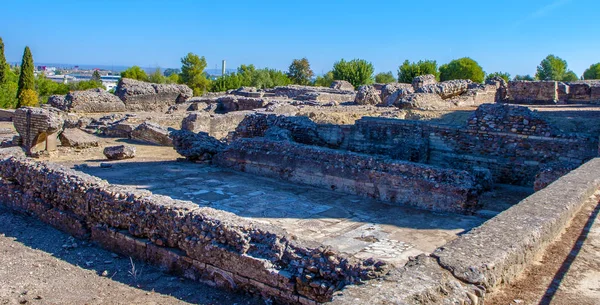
column 170, row 71
column 192, row 73
column 85, row 85
column 462, row 68
column 157, row 77
column 357, row 71
column 504, row 75
column 325, row 80
column 27, row 97
column 8, row 90
column 299, row 72
column 135, row 72
column 554, row 68
column 173, row 79
column 408, row 71
column 96, row 76
column 570, row 76
column 593, row 72
column 3, row 64
column 226, row 82
column 246, row 74
column 26, row 80
column 385, row 78
column 524, row 77
column 46, row 87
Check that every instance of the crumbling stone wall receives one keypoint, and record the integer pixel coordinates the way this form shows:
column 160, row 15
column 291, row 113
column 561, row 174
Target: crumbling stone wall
column 414, row 184
column 319, row 94
column 552, row 92
column 511, row 141
column 143, row 96
column 196, row 242
column 38, row 128
column 88, row 101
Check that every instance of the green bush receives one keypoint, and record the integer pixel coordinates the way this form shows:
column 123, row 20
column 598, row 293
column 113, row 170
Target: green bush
column 593, row 72
column 358, row 72
column 324, row 80
column 408, row 71
column 193, row 75
column 135, row 72
column 28, row 97
column 462, row 68
column 524, row 77
column 504, row 75
column 385, row 78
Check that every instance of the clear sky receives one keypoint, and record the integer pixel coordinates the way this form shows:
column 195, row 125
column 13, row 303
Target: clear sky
column 511, row 35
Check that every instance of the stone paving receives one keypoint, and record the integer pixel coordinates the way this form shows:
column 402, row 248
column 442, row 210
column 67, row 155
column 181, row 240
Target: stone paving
column 361, row 227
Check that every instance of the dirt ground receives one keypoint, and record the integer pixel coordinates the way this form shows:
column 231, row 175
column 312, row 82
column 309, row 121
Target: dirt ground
column 41, row 265
column 569, row 271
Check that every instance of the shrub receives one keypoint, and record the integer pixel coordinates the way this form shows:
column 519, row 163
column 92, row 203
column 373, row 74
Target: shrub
column 28, row 97
column 385, row 78
column 135, row 72
column 324, row 80
column 358, row 72
column 504, row 75
column 593, row 72
column 408, row 71
column 462, row 68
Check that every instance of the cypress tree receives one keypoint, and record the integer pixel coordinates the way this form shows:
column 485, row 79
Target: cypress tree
column 3, row 65
column 26, row 79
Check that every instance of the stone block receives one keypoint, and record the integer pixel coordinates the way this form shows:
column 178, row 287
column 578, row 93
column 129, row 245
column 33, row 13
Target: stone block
column 76, row 138
column 119, row 152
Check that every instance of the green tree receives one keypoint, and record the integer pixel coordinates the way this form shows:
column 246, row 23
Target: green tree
column 385, row 78
column 358, row 72
column 524, row 77
column 462, row 68
column 157, row 77
column 593, row 72
column 96, row 76
column 324, row 80
column 8, row 90
column 27, row 97
column 554, row 68
column 408, row 71
column 26, row 80
column 46, row 87
column 85, row 85
column 504, row 75
column 173, row 79
column 135, row 72
column 192, row 73
column 300, row 72
column 226, row 82
column 246, row 73
column 570, row 76
column 4, row 68
column 170, row 71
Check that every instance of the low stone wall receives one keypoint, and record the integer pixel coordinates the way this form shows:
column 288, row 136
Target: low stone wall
column 216, row 125
column 196, row 242
column 499, row 250
column 552, row 92
column 6, row 115
column 413, row 184
column 512, row 142
column 487, row 257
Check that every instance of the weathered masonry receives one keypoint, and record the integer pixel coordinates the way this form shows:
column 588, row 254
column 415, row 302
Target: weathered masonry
column 552, row 92
column 513, row 142
column 199, row 243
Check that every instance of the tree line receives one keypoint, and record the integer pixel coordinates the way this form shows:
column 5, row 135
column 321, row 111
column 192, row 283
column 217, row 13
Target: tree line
column 19, row 87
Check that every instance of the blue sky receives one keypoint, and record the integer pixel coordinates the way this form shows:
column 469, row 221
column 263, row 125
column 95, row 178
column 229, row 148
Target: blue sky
column 512, row 36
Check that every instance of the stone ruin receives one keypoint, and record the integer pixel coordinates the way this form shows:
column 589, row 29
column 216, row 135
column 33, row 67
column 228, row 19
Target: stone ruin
column 553, row 92
column 38, row 128
column 425, row 165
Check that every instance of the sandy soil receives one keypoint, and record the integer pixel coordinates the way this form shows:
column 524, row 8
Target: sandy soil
column 569, row 271
column 41, row 265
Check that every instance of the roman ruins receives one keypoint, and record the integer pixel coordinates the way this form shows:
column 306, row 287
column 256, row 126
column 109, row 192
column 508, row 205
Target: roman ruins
column 422, row 193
